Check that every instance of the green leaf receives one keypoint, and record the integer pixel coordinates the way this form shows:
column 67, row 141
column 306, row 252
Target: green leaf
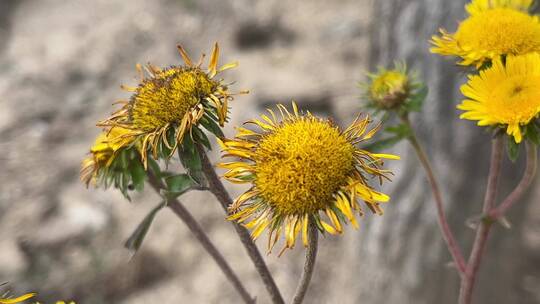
column 532, row 133
column 416, row 101
column 154, row 166
column 138, row 175
column 191, row 160
column 135, row 241
column 201, row 137
column 401, row 130
column 179, row 183
column 212, row 126
column 512, row 148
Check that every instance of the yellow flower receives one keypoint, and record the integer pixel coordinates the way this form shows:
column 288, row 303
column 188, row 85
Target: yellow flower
column 506, row 95
column 300, row 167
column 103, row 152
column 388, row 89
column 479, row 6
column 489, row 34
column 165, row 106
column 17, row 299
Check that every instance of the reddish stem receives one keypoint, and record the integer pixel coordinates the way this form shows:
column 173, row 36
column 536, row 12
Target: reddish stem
column 525, row 182
column 468, row 281
column 448, row 236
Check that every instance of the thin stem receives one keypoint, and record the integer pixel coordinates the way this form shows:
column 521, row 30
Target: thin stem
column 205, row 241
column 482, row 234
column 219, row 191
column 448, row 236
column 309, row 265
column 526, row 180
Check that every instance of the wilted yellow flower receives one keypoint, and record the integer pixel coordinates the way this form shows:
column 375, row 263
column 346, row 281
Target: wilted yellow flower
column 490, row 32
column 102, row 153
column 165, row 106
column 301, row 166
column 479, row 6
column 388, row 89
column 504, row 94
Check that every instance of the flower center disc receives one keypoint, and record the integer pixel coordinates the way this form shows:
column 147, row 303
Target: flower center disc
column 516, row 100
column 301, row 165
column 166, row 98
column 500, row 31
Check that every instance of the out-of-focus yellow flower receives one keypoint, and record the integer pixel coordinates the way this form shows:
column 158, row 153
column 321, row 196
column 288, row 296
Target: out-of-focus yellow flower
column 388, row 89
column 16, row 300
column 165, row 106
column 103, row 152
column 479, row 6
column 507, row 95
column 301, row 166
column 494, row 29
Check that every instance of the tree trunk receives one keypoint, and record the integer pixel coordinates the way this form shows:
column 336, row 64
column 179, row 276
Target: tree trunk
column 400, row 257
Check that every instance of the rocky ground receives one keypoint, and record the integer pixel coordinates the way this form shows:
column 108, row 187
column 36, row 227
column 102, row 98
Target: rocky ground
column 61, row 64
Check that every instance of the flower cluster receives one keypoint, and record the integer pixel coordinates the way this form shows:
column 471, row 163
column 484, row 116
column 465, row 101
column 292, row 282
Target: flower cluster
column 301, row 167
column 502, row 40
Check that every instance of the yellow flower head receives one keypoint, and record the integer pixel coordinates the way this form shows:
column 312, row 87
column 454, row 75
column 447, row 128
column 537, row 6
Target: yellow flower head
column 506, row 95
column 388, row 89
column 170, row 102
column 490, row 33
column 299, row 167
column 103, row 152
column 479, row 6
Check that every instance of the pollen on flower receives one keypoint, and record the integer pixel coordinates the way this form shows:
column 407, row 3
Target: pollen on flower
column 301, row 166
column 166, row 98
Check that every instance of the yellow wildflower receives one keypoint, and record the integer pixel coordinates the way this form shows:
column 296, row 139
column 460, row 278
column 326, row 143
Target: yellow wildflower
column 168, row 104
column 300, row 167
column 490, row 33
column 506, row 95
column 103, row 152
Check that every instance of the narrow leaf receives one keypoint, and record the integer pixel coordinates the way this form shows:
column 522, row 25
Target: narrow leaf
column 135, row 241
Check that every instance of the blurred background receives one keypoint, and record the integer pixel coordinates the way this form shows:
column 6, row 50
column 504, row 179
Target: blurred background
column 61, row 65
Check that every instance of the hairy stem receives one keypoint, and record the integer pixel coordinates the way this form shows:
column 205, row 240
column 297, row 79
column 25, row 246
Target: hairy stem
column 448, row 236
column 219, row 191
column 482, row 234
column 526, row 181
column 201, row 236
column 311, row 255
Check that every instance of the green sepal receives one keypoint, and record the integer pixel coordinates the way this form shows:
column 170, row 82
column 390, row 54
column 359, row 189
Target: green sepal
column 136, row 239
column 416, row 101
column 138, row 175
column 211, row 125
column 154, row 167
column 201, row 138
column 532, row 133
column 400, row 130
column 512, row 149
column 317, row 220
column 191, row 160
